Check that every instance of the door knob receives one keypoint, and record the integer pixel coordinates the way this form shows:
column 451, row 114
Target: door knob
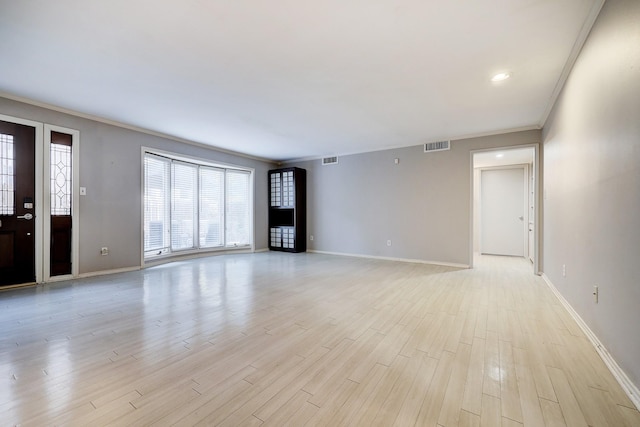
column 26, row 216
column 521, row 218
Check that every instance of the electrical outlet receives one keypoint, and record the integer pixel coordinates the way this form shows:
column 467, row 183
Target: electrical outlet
column 564, row 270
column 595, row 294
column 388, row 242
column 104, row 251
column 311, row 237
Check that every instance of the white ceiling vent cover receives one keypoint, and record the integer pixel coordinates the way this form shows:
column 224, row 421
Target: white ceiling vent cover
column 329, row 160
column 437, row 146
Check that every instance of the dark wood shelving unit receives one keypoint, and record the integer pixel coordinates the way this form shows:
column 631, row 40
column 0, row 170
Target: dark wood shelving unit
column 288, row 210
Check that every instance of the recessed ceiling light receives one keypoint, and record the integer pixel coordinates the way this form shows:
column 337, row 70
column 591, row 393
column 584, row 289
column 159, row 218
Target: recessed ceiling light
column 500, row 77
column 499, row 155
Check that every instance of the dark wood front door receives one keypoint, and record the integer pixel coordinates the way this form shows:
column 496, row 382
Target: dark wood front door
column 17, row 204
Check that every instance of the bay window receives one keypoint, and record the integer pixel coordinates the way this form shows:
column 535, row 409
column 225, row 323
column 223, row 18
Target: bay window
column 191, row 206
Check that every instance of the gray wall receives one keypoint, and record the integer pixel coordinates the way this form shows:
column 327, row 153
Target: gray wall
column 110, row 159
column 421, row 204
column 592, row 184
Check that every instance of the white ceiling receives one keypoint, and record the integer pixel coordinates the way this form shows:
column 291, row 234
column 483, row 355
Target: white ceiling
column 286, row 79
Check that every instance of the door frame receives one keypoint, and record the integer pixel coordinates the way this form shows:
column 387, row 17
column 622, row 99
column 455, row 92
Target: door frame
column 525, row 187
column 43, row 204
column 531, row 203
column 75, row 202
column 39, row 194
column 537, row 208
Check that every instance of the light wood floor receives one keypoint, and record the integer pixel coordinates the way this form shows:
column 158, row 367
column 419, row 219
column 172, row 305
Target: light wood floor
column 302, row 339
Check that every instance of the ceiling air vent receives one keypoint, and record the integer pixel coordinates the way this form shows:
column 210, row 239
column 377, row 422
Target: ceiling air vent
column 330, row 160
column 437, row 146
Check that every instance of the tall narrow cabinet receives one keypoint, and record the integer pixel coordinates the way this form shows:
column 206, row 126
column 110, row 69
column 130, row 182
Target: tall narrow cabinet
column 288, row 210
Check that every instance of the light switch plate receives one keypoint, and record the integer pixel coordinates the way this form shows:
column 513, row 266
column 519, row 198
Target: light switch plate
column 83, row 191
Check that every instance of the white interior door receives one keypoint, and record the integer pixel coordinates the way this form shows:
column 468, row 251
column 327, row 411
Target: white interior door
column 530, row 228
column 503, row 211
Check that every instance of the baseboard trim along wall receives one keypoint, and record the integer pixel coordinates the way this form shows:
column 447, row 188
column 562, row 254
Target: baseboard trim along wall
column 627, row 385
column 414, row 261
column 105, row 272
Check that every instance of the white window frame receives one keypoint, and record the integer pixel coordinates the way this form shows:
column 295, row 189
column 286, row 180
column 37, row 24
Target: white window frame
column 226, row 208
column 195, row 216
column 166, row 239
column 223, row 172
column 197, row 251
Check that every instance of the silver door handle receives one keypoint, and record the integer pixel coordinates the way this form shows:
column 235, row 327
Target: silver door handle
column 521, row 218
column 26, row 216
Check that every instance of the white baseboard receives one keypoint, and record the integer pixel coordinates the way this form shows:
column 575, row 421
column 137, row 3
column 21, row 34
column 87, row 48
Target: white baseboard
column 414, row 261
column 62, row 278
column 105, row 272
column 166, row 260
column 627, row 385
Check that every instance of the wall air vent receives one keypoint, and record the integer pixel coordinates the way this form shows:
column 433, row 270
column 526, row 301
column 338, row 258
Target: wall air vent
column 330, row 160
column 437, row 146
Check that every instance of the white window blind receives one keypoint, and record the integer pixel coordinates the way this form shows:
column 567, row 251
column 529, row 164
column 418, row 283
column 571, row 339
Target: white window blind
column 211, row 207
column 238, row 227
column 184, row 188
column 156, row 205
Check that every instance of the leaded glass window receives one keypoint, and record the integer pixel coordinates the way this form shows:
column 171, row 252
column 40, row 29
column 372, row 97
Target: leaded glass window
column 60, row 179
column 7, row 175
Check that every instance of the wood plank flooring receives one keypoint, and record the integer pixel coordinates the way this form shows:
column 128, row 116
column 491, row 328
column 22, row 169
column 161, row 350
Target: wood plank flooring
column 275, row 339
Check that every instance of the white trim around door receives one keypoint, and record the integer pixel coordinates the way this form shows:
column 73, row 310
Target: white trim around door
column 75, row 202
column 42, row 199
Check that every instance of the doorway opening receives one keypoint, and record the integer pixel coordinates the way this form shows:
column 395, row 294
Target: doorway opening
column 504, row 214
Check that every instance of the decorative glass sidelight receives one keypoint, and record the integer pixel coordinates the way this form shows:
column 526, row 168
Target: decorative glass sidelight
column 7, row 175
column 61, row 201
column 60, row 179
